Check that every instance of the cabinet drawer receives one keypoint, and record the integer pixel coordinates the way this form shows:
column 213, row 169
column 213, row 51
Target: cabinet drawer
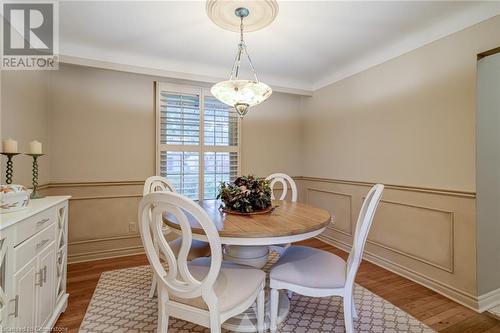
column 29, row 249
column 34, row 224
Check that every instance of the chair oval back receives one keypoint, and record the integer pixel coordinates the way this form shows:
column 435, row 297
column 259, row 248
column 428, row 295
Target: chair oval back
column 365, row 220
column 178, row 280
column 157, row 184
column 286, row 181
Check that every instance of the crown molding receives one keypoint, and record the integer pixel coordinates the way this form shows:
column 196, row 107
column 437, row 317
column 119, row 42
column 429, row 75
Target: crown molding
column 178, row 77
column 303, row 87
column 445, row 28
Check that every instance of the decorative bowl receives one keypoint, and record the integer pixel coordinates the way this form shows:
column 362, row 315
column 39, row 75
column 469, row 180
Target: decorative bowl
column 13, row 198
column 257, row 212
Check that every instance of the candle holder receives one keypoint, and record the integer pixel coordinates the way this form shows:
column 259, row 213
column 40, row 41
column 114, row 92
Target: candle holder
column 10, row 167
column 35, row 194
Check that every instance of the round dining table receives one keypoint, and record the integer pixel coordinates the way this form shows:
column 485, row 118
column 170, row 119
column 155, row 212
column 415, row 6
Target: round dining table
column 247, row 238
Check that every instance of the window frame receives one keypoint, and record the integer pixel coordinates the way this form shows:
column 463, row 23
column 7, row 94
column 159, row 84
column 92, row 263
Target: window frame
column 201, row 148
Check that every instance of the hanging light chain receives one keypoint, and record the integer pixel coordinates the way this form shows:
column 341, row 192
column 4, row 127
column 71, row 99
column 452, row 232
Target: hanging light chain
column 242, row 47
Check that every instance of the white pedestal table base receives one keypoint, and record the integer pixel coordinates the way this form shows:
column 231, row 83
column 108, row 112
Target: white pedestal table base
column 255, row 256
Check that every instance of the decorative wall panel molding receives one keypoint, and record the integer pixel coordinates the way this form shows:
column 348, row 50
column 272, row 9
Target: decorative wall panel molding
column 341, row 213
column 415, row 223
column 426, row 235
column 467, row 299
column 410, row 221
column 103, row 219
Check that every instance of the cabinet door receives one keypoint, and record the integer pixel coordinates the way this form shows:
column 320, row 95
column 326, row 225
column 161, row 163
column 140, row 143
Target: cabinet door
column 46, row 293
column 4, row 298
column 25, row 281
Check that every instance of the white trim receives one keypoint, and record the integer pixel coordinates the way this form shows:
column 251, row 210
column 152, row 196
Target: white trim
column 204, row 80
column 495, row 312
column 105, row 254
column 445, row 28
column 489, row 300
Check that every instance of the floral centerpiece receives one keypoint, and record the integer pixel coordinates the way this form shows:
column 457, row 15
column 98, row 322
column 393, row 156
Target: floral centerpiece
column 246, row 195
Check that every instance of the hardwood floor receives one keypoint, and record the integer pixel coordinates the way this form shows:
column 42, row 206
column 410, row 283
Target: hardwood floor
column 438, row 312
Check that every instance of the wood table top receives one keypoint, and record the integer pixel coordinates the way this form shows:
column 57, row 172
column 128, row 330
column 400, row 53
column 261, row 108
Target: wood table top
column 286, row 219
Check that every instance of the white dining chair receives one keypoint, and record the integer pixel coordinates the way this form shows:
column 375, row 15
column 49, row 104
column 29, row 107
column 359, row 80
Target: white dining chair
column 198, row 248
column 204, row 291
column 286, row 182
column 317, row 273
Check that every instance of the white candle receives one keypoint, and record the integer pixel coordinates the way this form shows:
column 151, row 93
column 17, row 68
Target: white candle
column 35, row 147
column 9, row 146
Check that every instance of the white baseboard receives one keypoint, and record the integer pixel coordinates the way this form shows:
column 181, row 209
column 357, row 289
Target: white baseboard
column 105, row 254
column 495, row 312
column 490, row 300
column 459, row 296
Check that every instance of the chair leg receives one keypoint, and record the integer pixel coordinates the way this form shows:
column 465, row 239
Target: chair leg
column 348, row 314
column 162, row 312
column 354, row 311
column 215, row 324
column 152, row 290
column 274, row 309
column 260, row 310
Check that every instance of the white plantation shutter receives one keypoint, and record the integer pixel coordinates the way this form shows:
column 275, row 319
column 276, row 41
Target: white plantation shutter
column 180, row 119
column 182, row 170
column 221, row 123
column 198, row 140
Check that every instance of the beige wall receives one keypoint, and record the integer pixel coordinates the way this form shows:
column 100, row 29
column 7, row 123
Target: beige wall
column 272, row 137
column 102, row 137
column 24, row 117
column 408, row 121
column 102, row 126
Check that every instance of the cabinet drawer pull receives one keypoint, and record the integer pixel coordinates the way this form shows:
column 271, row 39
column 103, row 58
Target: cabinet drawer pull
column 16, row 306
column 45, row 274
column 39, row 277
column 42, row 243
column 59, row 262
column 45, row 220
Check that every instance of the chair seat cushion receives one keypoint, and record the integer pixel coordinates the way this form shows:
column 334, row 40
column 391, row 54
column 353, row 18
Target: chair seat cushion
column 310, row 267
column 198, row 248
column 234, row 285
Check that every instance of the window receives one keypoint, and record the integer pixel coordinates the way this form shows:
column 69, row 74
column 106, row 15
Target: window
column 197, row 140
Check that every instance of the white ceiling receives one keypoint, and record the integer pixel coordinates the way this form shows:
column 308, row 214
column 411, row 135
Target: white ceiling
column 309, row 45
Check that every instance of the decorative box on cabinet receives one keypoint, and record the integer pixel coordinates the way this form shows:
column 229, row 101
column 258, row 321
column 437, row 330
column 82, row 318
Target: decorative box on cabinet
column 33, row 252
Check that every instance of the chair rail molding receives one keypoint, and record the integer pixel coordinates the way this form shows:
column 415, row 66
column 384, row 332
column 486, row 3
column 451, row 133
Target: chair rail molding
column 101, row 214
column 466, row 194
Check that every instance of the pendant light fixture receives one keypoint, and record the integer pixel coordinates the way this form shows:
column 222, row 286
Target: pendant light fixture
column 238, row 93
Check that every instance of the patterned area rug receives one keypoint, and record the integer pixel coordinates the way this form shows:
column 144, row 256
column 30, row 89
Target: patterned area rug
column 121, row 304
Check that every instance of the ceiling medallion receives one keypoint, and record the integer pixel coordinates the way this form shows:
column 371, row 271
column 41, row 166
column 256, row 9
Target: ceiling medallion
column 242, row 94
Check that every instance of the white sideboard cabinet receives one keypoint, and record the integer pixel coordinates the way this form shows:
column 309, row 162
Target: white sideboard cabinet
column 33, row 252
